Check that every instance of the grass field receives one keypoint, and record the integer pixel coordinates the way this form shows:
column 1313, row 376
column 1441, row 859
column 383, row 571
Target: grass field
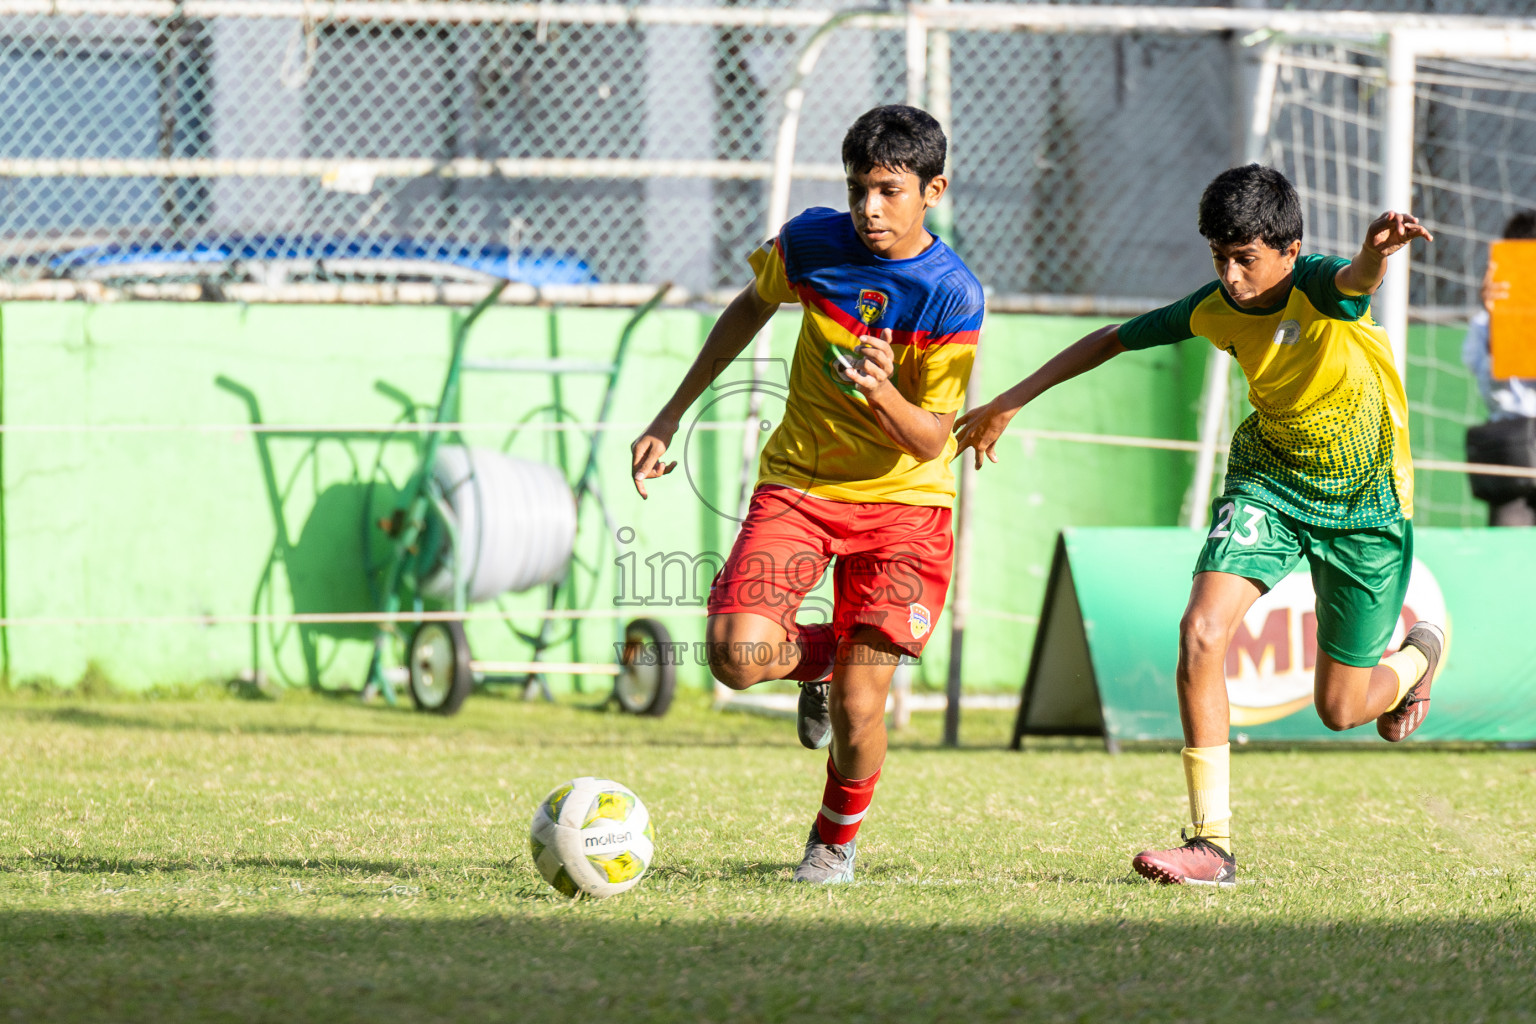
column 313, row 859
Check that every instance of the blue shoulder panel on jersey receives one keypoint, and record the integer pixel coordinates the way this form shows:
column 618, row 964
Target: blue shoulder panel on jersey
column 930, row 297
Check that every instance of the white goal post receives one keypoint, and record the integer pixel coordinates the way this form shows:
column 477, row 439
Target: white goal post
column 1402, row 39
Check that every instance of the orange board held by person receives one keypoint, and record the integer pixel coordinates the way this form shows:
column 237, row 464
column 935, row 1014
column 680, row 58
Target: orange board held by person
column 1511, row 290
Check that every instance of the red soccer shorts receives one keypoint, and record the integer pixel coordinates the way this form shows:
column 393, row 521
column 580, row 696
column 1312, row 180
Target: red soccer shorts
column 892, row 571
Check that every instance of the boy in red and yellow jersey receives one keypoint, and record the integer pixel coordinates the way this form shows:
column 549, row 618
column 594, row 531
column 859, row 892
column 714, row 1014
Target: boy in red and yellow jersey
column 857, row 475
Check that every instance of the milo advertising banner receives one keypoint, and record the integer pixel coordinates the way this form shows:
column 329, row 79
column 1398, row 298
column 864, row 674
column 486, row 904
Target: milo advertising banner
column 1104, row 656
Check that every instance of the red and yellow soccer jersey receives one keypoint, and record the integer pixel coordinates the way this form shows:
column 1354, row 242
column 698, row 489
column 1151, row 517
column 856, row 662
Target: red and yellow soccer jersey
column 829, row 444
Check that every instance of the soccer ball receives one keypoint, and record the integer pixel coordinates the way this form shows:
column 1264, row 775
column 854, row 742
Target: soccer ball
column 591, row 837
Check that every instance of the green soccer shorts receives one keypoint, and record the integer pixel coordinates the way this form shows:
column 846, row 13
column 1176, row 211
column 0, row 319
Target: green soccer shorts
column 1360, row 576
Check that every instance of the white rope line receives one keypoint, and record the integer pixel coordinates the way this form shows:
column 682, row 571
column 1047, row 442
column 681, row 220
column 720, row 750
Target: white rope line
column 1164, row 444
column 329, row 428
column 1168, row 444
column 1023, row 620
column 344, row 618
column 1024, row 435
column 1481, row 468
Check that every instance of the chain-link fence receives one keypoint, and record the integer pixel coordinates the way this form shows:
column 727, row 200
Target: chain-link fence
column 290, row 140
column 275, row 148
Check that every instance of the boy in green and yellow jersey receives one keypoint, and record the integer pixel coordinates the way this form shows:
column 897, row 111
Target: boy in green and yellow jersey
column 1320, row 471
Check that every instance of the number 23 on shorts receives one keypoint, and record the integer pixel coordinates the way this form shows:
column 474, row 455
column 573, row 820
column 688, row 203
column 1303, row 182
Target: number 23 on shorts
column 1248, row 518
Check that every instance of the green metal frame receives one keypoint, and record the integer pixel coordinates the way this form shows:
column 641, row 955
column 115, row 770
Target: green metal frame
column 409, row 555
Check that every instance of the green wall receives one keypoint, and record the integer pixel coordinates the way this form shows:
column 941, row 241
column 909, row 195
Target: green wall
column 177, row 523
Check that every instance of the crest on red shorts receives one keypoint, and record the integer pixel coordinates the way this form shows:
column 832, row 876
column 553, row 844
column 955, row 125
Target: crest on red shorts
column 919, row 620
column 871, row 305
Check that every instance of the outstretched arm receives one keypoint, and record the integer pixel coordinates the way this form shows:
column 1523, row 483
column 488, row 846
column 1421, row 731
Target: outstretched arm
column 735, row 329
column 981, row 427
column 1387, row 234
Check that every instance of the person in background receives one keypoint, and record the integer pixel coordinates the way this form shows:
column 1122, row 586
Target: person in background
column 1511, row 500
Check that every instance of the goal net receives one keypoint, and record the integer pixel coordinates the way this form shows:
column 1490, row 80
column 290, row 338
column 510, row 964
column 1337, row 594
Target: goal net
column 1474, row 164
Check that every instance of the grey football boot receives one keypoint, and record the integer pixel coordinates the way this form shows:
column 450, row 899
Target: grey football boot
column 813, row 719
column 1398, row 723
column 826, row 863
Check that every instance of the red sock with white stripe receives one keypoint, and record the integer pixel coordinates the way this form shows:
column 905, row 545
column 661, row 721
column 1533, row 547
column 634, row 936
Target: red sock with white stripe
column 843, row 805
column 818, row 649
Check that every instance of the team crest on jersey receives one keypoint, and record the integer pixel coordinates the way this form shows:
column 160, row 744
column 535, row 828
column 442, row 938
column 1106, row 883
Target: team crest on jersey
column 1288, row 333
column 871, row 305
column 918, row 619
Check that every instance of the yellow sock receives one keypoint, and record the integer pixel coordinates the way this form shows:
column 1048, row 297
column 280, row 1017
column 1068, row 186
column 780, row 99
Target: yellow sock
column 1408, row 665
column 1208, row 772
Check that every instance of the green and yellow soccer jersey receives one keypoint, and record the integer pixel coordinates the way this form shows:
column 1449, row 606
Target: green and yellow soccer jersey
column 1328, row 438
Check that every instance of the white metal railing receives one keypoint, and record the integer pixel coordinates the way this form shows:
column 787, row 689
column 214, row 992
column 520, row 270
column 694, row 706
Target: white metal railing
column 351, row 174
column 954, row 17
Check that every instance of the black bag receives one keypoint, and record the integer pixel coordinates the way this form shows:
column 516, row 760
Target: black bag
column 1510, row 442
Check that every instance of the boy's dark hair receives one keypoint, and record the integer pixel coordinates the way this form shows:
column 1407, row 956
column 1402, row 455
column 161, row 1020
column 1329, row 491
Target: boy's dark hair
column 898, row 137
column 1521, row 225
column 1250, row 202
